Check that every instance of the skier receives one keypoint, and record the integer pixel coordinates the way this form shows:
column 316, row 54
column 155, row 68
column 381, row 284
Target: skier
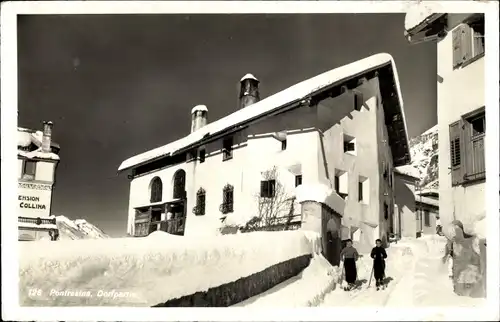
column 350, row 255
column 379, row 255
column 439, row 227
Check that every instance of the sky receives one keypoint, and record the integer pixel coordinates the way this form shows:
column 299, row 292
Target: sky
column 119, row 85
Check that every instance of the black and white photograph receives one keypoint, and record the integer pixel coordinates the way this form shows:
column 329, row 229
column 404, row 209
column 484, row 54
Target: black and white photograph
column 245, row 156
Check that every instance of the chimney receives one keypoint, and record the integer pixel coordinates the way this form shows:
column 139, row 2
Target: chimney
column 47, row 136
column 249, row 90
column 199, row 117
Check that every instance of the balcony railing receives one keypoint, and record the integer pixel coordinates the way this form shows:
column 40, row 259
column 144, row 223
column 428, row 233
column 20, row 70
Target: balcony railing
column 37, row 221
column 276, row 224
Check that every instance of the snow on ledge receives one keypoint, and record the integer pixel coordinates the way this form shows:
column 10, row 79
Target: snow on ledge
column 418, row 13
column 320, row 193
column 408, row 170
column 152, row 269
column 248, row 76
column 202, row 108
column 38, row 153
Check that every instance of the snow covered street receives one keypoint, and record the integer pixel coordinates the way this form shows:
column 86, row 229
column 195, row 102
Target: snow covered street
column 416, row 277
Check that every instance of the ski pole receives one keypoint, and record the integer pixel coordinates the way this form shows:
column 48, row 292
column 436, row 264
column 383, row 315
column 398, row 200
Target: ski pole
column 370, row 281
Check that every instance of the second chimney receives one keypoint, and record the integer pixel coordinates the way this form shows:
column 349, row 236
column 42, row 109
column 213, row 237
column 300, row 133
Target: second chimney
column 199, row 117
column 47, row 136
column 249, row 90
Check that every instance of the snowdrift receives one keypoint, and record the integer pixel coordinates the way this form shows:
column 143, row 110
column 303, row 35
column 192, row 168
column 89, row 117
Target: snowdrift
column 305, row 290
column 146, row 271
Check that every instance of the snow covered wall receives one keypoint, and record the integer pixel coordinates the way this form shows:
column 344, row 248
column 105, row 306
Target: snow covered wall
column 146, row 271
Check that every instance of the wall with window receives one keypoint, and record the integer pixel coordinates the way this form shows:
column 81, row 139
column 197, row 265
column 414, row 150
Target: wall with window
column 35, row 181
column 405, row 215
column 294, row 163
column 461, row 93
column 36, row 170
column 350, row 157
column 428, row 215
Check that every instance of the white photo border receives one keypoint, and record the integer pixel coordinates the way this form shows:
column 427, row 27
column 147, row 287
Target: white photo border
column 9, row 102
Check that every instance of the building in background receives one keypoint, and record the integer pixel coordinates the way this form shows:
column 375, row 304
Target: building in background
column 405, row 217
column 344, row 129
column 37, row 158
column 461, row 108
column 427, row 209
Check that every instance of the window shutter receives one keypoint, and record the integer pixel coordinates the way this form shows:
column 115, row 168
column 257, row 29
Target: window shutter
column 456, row 153
column 478, row 43
column 468, row 150
column 263, row 187
column 457, row 48
column 272, row 188
column 466, row 42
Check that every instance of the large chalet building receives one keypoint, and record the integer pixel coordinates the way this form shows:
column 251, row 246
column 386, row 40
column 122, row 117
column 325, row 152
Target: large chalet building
column 344, row 128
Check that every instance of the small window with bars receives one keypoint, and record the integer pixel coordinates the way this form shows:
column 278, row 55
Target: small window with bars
column 227, row 199
column 199, row 209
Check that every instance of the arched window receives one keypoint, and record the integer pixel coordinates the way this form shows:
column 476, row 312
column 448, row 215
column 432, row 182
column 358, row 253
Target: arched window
column 156, row 190
column 199, row 209
column 179, row 184
column 227, row 199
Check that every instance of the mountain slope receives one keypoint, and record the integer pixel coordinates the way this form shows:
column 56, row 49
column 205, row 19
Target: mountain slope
column 424, row 158
column 77, row 229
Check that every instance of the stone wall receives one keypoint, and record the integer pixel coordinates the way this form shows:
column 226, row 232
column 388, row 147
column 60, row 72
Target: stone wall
column 232, row 293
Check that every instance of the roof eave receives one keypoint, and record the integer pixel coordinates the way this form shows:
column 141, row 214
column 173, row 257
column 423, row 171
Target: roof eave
column 399, row 160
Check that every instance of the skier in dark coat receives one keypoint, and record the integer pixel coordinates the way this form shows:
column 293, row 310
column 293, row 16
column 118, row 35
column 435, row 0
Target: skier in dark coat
column 379, row 255
column 350, row 255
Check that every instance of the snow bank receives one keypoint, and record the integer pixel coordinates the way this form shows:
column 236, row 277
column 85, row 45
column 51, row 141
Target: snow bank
column 203, row 226
column 147, row 271
column 320, row 193
column 304, row 290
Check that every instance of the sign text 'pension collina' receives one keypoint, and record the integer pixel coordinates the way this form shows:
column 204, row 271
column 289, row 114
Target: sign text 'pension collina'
column 31, row 202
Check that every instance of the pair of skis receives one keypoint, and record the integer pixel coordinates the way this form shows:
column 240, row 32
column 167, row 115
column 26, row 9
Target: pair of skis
column 370, row 281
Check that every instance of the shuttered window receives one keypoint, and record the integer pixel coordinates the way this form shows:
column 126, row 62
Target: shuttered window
column 467, row 153
column 457, row 48
column 474, row 133
column 456, row 153
column 468, row 41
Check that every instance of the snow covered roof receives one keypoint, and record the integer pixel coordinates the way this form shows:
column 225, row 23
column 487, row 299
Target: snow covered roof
column 428, row 191
column 294, row 95
column 408, row 170
column 38, row 154
column 248, row 76
column 197, row 108
column 427, row 201
column 26, row 137
column 418, row 14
